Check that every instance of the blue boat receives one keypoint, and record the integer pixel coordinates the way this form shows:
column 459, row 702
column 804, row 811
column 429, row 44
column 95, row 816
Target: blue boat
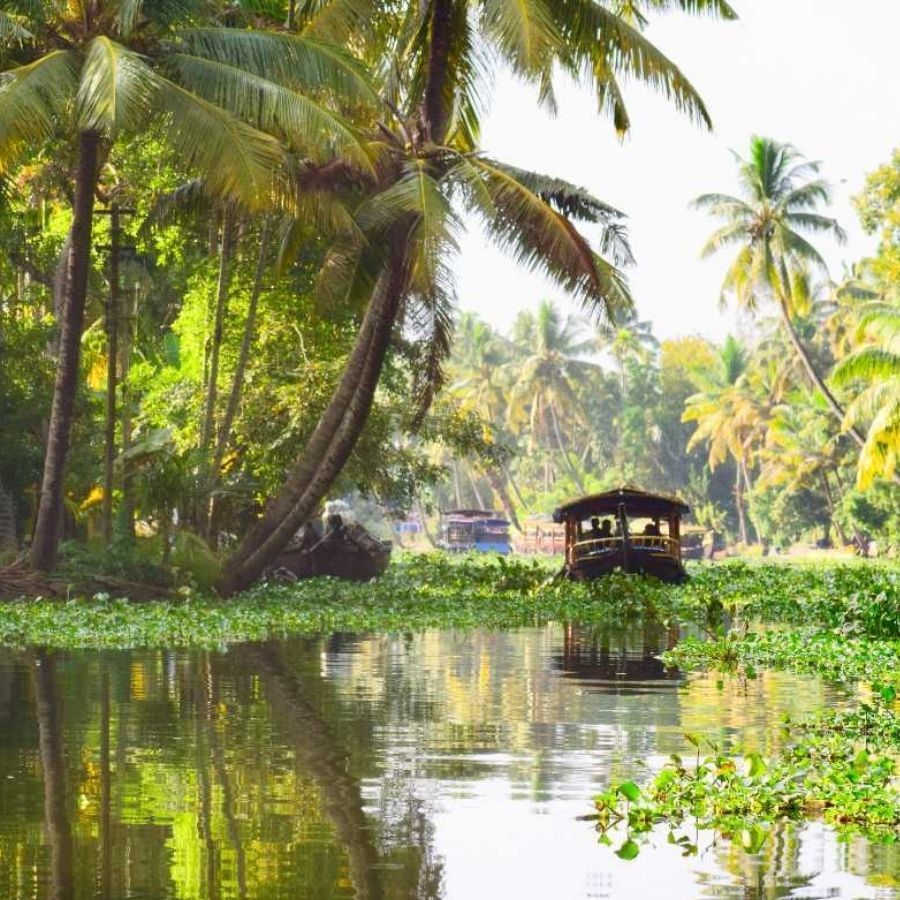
column 481, row 530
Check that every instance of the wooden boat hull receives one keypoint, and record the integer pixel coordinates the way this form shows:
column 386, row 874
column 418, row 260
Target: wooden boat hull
column 351, row 553
column 643, row 562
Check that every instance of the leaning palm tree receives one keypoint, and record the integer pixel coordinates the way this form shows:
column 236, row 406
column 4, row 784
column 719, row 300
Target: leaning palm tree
column 432, row 56
column 876, row 366
column 780, row 193
column 228, row 99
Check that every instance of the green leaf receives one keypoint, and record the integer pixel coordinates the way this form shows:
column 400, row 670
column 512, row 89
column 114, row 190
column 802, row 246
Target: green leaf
column 628, row 851
column 756, row 765
column 752, row 838
column 629, row 790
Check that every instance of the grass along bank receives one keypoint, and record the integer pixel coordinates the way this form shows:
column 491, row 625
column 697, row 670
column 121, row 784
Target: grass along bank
column 439, row 590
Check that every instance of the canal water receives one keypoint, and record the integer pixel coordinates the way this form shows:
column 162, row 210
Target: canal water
column 440, row 764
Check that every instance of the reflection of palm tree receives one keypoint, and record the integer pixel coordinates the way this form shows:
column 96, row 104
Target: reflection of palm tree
column 544, row 394
column 50, row 730
column 322, row 760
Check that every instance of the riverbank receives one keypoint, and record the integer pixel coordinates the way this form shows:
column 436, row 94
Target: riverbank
column 437, row 590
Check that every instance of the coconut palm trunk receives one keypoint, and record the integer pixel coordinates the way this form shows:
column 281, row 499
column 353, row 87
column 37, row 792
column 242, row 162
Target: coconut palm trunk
column 45, row 543
column 739, row 504
column 112, row 362
column 333, row 440
column 240, row 370
column 215, row 347
column 500, row 491
column 8, row 540
column 816, row 379
column 564, row 450
column 513, row 484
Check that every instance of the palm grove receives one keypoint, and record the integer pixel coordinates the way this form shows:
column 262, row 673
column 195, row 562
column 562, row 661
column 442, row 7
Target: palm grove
column 227, row 235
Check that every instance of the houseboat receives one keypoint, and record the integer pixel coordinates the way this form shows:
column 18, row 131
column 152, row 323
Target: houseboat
column 627, row 529
column 482, row 530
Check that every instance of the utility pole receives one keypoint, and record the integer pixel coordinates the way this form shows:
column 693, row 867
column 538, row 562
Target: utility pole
column 113, row 317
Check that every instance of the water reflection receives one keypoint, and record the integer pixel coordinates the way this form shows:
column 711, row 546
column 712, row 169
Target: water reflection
column 434, row 765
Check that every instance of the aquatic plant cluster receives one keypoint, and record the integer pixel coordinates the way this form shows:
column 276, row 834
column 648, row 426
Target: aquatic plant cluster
column 839, row 767
column 440, row 591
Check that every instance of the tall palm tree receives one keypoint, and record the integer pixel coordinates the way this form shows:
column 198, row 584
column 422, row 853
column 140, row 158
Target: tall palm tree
column 228, row 99
column 628, row 338
column 481, row 385
column 876, row 365
column 544, row 394
column 780, row 193
column 432, row 56
column 725, row 420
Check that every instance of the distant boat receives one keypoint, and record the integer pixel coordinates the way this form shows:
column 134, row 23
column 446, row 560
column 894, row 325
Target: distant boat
column 481, row 530
column 627, row 529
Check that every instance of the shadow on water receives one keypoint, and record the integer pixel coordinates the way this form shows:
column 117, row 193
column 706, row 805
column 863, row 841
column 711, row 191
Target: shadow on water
column 450, row 765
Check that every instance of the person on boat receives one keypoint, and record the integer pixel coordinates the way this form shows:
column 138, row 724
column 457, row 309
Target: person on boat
column 600, row 531
column 651, row 529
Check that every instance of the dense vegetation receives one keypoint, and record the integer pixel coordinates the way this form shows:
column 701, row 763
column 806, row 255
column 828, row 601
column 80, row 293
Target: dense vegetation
column 850, row 601
column 227, row 234
column 787, row 434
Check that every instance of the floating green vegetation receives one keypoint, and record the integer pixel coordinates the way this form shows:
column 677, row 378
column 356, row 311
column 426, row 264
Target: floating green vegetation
column 840, row 768
column 438, row 590
column 832, row 655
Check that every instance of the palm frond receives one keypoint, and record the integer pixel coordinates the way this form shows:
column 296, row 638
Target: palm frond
column 867, row 364
column 725, row 236
column 336, row 21
column 115, row 90
column 815, row 222
column 591, row 31
column 234, row 159
column 541, row 238
column 722, row 205
column 430, row 318
column 795, row 244
column 33, row 100
column 523, row 32
column 305, row 124
column 290, row 59
column 12, row 31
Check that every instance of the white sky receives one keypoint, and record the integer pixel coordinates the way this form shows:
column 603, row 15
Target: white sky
column 823, row 75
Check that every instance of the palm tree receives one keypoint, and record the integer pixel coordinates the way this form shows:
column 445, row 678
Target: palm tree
column 396, row 255
column 480, row 385
column 800, row 452
column 725, row 420
column 544, row 394
column 105, row 68
column 780, row 192
column 628, row 338
column 877, row 366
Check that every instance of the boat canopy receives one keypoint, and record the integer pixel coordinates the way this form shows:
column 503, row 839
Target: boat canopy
column 636, row 502
column 480, row 514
